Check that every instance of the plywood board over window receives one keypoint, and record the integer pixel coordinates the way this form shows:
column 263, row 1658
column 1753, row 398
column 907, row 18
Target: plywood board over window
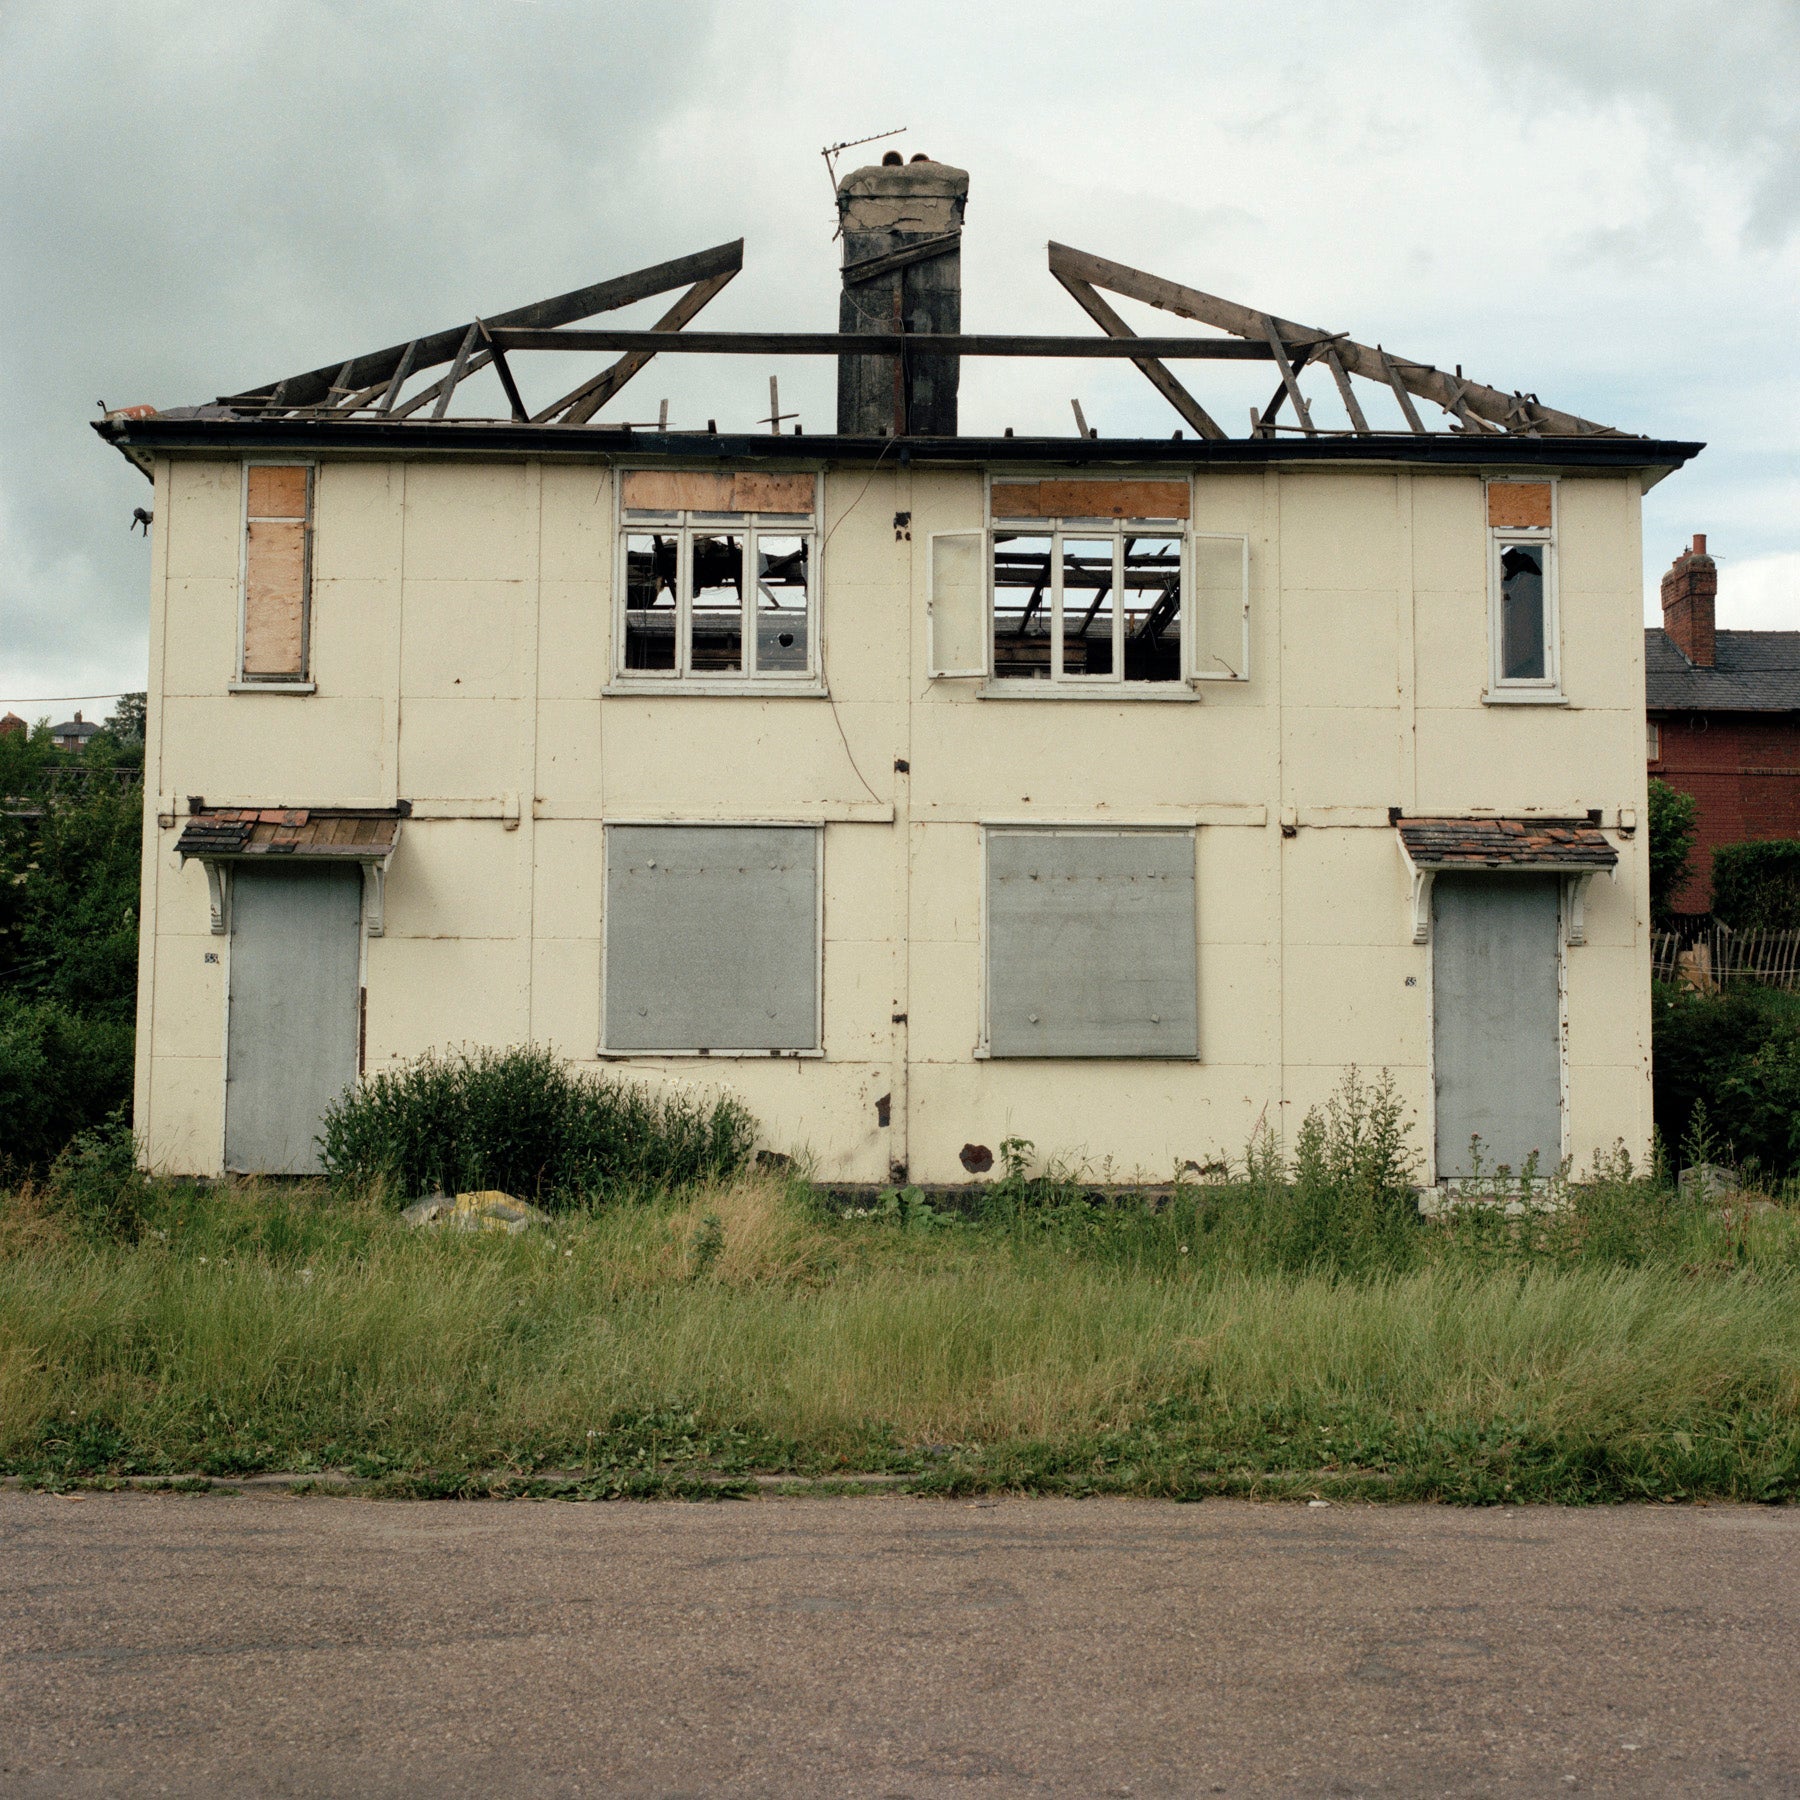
column 277, row 572
column 1519, row 505
column 1076, row 499
column 706, row 490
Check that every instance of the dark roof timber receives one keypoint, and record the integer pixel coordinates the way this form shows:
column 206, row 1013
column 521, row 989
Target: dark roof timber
column 362, row 402
column 213, row 430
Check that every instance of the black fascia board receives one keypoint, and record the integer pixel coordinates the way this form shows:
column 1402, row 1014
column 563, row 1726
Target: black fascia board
column 510, row 438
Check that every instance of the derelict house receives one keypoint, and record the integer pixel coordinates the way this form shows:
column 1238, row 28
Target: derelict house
column 922, row 789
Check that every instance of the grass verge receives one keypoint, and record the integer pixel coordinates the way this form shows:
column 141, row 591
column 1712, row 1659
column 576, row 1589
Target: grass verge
column 1632, row 1348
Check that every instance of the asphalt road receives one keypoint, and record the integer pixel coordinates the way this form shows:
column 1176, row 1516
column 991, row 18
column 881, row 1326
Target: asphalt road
column 890, row 1646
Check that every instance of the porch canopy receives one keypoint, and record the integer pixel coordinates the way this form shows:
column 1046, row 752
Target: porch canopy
column 220, row 836
column 1575, row 849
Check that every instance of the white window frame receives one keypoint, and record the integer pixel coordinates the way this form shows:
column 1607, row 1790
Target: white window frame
column 684, row 527
column 816, row 1053
column 1546, row 690
column 1191, row 639
column 934, row 667
column 1112, row 685
column 302, row 683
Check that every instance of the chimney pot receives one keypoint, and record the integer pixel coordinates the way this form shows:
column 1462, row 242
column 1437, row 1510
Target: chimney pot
column 1699, row 543
column 892, row 160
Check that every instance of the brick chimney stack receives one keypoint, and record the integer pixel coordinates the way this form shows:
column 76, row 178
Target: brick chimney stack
column 1688, row 592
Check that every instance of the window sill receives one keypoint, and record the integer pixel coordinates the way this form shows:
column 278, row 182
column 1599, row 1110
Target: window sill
column 1522, row 697
column 750, row 688
column 1067, row 690
column 605, row 1055
column 273, row 687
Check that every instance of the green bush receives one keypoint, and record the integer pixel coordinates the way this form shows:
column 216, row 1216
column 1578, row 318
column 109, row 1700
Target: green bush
column 523, row 1121
column 60, row 1074
column 1738, row 1054
column 1756, row 887
column 1672, row 817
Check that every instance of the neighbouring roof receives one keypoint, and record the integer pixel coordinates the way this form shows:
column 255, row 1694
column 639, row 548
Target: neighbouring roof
column 1478, row 844
column 75, row 728
column 1756, row 671
column 314, row 832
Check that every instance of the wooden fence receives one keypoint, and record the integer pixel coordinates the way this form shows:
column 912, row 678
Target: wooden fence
column 1717, row 956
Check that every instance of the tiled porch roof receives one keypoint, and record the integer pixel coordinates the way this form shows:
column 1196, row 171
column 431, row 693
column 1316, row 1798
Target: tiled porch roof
column 314, row 832
column 1506, row 844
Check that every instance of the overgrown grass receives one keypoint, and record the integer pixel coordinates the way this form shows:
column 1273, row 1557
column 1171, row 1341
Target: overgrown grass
column 1635, row 1346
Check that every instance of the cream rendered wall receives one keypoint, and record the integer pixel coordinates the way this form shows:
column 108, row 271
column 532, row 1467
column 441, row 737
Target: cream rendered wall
column 462, row 617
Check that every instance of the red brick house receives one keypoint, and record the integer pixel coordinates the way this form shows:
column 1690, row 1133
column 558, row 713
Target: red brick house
column 1723, row 720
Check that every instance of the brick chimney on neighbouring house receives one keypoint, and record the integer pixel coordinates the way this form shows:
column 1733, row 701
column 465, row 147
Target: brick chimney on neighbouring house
column 1688, row 592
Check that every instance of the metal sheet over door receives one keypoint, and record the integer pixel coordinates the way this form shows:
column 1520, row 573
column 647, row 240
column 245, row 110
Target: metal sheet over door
column 291, row 1044
column 1496, row 1020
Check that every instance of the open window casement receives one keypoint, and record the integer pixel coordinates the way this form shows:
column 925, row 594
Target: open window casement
column 956, row 613
column 1221, row 606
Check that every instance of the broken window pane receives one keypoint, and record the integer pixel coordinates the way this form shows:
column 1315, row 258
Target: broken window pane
column 1021, row 606
column 1088, row 604
column 1152, row 608
column 1522, row 612
column 781, row 604
column 717, row 607
column 649, row 602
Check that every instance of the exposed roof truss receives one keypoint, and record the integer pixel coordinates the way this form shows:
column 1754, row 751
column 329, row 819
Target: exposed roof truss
column 1473, row 408
column 373, row 385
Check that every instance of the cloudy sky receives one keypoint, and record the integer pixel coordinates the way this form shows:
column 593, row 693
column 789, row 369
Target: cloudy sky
column 1595, row 200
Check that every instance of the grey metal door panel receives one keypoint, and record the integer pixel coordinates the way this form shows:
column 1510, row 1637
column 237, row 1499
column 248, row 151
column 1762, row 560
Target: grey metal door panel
column 291, row 1044
column 712, row 937
column 1090, row 944
column 1496, row 1020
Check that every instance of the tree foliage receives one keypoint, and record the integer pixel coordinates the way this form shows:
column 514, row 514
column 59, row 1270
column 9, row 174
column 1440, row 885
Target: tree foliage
column 70, row 836
column 1672, row 821
column 1756, row 887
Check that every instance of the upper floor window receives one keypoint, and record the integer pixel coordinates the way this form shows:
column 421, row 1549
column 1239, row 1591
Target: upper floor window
column 1522, row 591
column 1089, row 585
column 717, row 577
column 275, row 618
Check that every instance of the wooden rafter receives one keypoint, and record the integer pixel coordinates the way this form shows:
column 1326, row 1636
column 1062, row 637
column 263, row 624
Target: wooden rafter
column 1475, row 407
column 1159, row 377
column 578, row 407
column 346, row 387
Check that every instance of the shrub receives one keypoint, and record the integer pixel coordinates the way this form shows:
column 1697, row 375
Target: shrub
column 1756, row 887
column 96, row 1180
column 59, row 1074
column 523, row 1121
column 1672, row 815
column 1738, row 1053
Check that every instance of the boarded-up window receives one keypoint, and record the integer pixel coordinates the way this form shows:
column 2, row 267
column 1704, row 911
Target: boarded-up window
column 1221, row 608
column 1519, row 505
column 277, row 571
column 712, row 938
column 1091, row 944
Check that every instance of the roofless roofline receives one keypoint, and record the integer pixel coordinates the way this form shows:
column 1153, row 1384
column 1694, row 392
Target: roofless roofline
column 215, row 431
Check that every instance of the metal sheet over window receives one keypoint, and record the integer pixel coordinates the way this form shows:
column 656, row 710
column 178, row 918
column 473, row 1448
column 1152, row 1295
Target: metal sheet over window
column 712, row 937
column 1090, row 944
